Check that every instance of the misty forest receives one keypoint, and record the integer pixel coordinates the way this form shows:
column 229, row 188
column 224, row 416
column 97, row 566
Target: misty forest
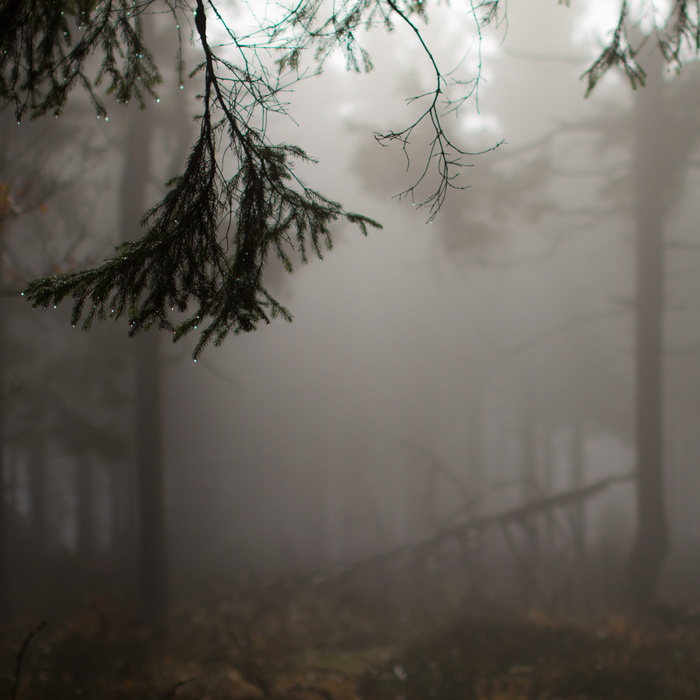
column 391, row 388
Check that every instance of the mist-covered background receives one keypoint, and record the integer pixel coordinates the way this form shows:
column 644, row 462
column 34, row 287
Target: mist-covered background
column 436, row 372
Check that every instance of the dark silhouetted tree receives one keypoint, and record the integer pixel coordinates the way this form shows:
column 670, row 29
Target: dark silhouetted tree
column 37, row 194
column 152, row 555
column 651, row 170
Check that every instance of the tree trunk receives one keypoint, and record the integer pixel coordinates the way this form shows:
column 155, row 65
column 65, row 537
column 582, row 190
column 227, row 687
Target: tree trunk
column 578, row 478
column 473, row 475
column 152, row 557
column 38, row 480
column 650, row 547
column 85, row 496
column 527, row 442
column 153, row 563
column 4, row 521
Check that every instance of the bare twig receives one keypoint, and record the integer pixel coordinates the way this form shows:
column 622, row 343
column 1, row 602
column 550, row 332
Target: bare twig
column 19, row 659
column 170, row 694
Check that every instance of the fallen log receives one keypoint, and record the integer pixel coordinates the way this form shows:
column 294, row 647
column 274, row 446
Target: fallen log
column 518, row 514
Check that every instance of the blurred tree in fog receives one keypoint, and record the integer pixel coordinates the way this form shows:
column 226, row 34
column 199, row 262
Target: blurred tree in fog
column 666, row 136
column 516, row 192
column 658, row 137
column 17, row 197
column 138, row 173
column 238, row 200
column 152, row 554
column 65, row 431
column 43, row 416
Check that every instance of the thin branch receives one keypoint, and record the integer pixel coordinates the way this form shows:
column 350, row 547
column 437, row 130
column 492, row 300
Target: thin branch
column 444, row 157
column 19, row 659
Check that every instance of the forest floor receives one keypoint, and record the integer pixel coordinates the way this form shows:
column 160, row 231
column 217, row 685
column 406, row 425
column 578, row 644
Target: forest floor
column 304, row 644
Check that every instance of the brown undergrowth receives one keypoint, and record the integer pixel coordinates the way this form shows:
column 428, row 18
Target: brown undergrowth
column 304, row 643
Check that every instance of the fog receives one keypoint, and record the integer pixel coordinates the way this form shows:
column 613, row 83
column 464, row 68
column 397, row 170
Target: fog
column 413, row 347
column 438, row 372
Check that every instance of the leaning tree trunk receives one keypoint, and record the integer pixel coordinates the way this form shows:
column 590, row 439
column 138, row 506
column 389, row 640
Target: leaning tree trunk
column 152, row 556
column 650, row 547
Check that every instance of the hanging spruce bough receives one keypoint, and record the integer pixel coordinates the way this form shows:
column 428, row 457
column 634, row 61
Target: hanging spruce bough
column 199, row 265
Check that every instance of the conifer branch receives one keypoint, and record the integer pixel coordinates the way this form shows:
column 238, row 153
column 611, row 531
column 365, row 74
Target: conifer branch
column 676, row 34
column 200, row 264
column 46, row 47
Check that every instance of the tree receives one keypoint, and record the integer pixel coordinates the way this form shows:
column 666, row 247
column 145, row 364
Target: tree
column 651, row 167
column 43, row 216
column 648, row 188
column 152, row 560
column 238, row 200
column 660, row 136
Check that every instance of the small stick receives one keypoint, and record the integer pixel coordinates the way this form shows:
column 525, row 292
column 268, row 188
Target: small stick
column 20, row 657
